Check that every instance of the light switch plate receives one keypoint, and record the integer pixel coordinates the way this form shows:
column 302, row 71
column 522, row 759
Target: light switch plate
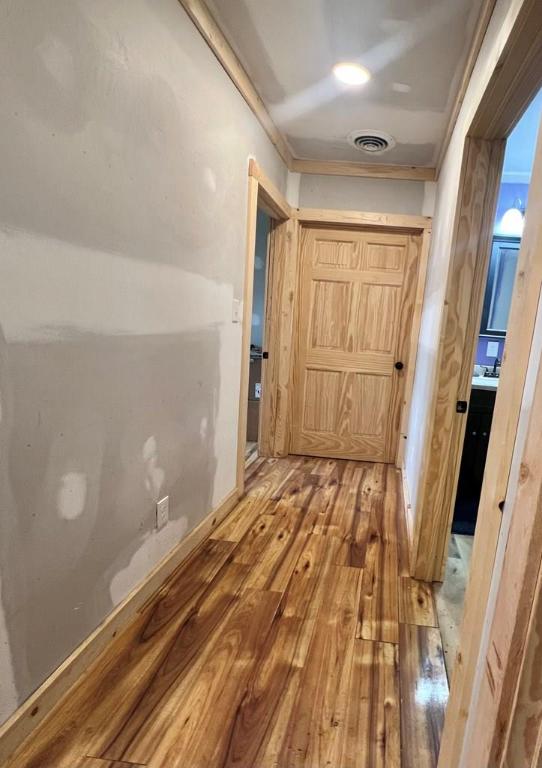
column 257, row 391
column 492, row 349
column 236, row 311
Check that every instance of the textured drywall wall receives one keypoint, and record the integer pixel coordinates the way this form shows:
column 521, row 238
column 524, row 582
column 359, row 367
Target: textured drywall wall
column 122, row 224
column 359, row 194
column 498, row 31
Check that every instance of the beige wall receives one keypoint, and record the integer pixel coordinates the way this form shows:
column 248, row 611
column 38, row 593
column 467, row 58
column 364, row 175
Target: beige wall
column 447, row 189
column 122, row 226
column 358, row 194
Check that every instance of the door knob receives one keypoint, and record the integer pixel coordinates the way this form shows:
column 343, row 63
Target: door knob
column 399, row 365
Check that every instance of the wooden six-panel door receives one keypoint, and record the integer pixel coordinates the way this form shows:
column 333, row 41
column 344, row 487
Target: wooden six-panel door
column 356, row 296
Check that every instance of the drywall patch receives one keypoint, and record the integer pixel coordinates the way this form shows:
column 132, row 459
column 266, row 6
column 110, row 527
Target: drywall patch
column 209, row 177
column 155, row 547
column 72, row 495
column 58, row 60
column 155, row 474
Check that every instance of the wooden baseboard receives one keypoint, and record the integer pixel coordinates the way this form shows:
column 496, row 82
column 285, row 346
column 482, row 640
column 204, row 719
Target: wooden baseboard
column 34, row 710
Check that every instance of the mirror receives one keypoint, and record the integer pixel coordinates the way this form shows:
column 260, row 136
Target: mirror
column 500, row 283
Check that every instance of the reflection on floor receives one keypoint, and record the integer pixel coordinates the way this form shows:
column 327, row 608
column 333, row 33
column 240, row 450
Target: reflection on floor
column 450, row 595
column 292, row 638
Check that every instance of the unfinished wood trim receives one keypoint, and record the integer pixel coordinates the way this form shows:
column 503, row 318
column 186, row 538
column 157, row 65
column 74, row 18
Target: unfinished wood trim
column 482, row 24
column 413, row 352
column 406, row 222
column 471, row 249
column 469, row 328
column 267, row 366
column 521, row 329
column 282, row 280
column 36, row 708
column 215, row 39
column 406, row 352
column 279, row 308
column 270, row 199
column 524, row 735
column 365, row 170
column 252, row 214
column 519, row 574
column 516, row 79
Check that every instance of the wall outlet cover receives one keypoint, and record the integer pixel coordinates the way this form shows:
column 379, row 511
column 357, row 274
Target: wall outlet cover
column 258, row 391
column 162, row 513
column 236, row 311
column 492, row 348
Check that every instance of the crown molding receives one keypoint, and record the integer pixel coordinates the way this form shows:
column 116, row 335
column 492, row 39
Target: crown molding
column 368, row 170
column 214, row 37
column 480, row 30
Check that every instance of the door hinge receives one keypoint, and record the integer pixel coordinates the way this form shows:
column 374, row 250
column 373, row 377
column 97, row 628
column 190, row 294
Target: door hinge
column 461, row 406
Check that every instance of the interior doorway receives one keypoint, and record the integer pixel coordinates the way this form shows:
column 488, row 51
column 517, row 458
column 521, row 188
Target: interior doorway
column 490, row 345
column 257, row 334
column 269, row 287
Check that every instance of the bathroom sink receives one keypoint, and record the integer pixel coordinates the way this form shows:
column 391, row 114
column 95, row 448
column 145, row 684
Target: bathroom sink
column 484, row 382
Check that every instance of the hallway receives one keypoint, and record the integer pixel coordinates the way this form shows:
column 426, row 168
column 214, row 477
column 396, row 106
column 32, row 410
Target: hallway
column 292, row 638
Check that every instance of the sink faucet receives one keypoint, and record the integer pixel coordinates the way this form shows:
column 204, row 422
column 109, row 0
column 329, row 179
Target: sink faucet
column 495, row 364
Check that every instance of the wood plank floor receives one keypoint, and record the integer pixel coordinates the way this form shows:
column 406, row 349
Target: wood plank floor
column 293, row 638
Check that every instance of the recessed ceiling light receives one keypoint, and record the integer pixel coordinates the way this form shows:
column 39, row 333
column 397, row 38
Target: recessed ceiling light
column 351, row 73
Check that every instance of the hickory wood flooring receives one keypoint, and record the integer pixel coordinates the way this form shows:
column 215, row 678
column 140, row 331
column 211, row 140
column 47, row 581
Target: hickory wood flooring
column 292, row 638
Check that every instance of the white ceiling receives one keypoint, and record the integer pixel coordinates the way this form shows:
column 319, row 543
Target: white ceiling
column 288, row 48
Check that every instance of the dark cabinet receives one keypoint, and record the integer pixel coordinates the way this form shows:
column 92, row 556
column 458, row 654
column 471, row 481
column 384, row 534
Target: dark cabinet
column 473, row 460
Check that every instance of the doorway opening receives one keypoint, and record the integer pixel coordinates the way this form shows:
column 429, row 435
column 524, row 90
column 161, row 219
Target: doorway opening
column 257, row 334
column 490, row 344
column 270, row 275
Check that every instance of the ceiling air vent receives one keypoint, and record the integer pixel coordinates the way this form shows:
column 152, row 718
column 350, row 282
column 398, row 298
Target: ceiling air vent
column 371, row 142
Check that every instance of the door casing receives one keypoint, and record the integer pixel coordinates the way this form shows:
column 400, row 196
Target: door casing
column 475, row 730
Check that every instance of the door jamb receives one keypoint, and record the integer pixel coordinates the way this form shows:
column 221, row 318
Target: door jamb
column 491, row 582
column 262, row 193
column 515, row 80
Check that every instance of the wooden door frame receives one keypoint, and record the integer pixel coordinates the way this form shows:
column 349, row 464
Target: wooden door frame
column 383, row 222
column 516, row 79
column 263, row 194
column 507, row 550
column 467, row 277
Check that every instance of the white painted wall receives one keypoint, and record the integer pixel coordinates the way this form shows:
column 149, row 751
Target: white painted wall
column 358, row 194
column 503, row 18
column 125, row 150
